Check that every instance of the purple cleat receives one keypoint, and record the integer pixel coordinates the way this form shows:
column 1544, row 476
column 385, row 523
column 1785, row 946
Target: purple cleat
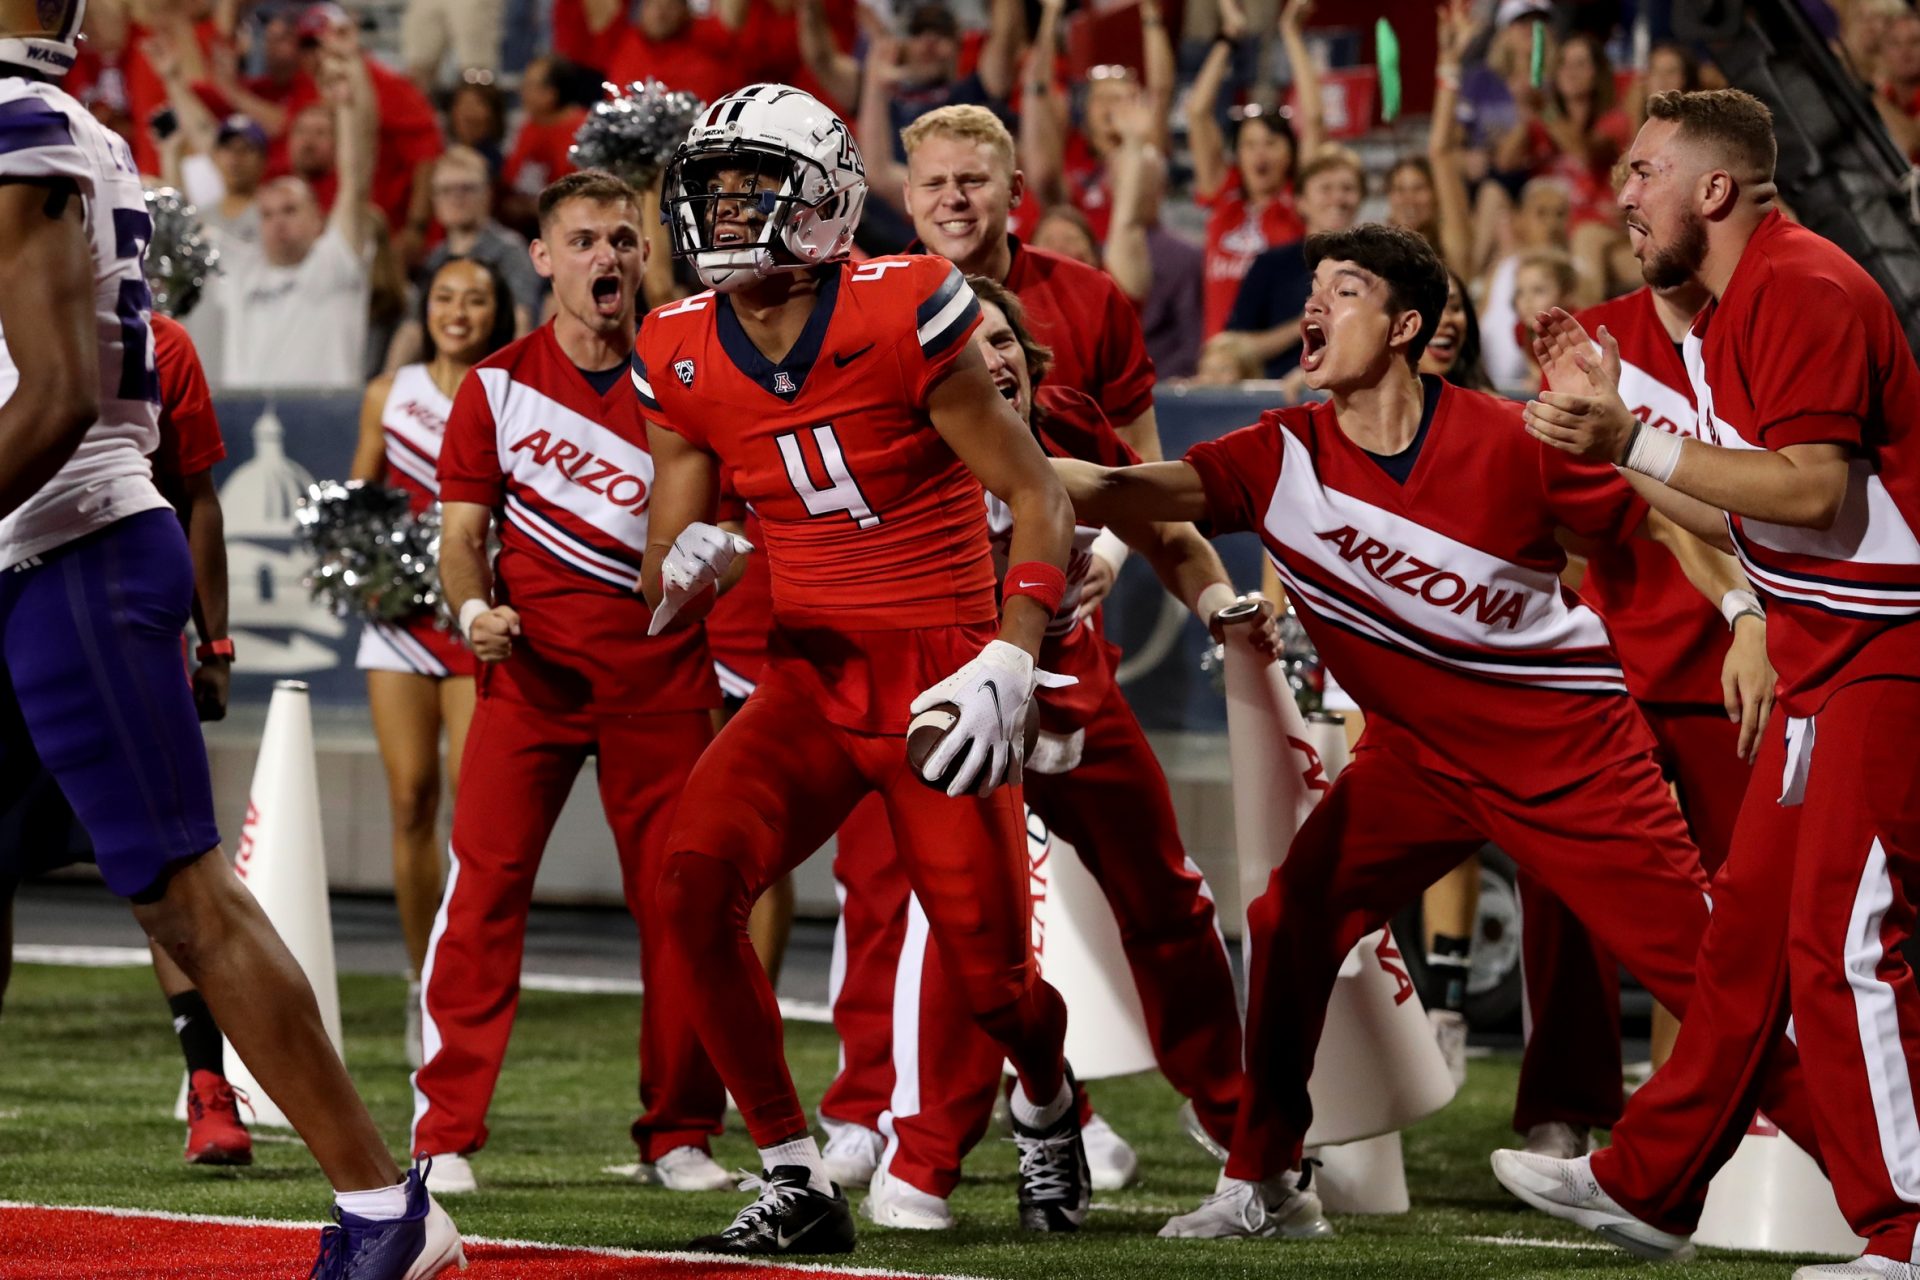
column 418, row 1246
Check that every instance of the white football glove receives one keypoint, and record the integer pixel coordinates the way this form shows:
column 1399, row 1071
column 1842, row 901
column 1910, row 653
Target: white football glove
column 991, row 692
column 700, row 557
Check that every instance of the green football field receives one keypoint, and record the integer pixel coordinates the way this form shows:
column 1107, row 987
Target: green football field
column 89, row 1071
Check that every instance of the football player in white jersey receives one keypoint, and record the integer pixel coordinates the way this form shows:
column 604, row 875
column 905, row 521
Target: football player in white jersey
column 94, row 597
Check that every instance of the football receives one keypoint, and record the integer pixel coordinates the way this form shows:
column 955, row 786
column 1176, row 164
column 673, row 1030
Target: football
column 926, row 731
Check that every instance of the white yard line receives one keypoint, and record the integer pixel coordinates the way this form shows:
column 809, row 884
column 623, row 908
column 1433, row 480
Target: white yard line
column 563, row 983
column 1530, row 1242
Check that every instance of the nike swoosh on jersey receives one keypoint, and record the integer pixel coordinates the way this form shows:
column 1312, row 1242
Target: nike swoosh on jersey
column 841, row 362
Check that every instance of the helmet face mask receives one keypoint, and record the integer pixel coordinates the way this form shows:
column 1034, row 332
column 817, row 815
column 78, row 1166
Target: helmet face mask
column 40, row 36
column 768, row 179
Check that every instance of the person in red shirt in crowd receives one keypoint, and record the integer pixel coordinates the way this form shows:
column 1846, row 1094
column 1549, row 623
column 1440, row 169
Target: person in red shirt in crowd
column 703, row 56
column 1067, row 165
column 540, row 152
column 1246, row 182
column 545, row 442
column 1575, row 132
column 409, row 134
column 806, row 43
column 115, row 75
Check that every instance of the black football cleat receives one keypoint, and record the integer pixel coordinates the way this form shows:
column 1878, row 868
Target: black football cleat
column 790, row 1217
column 1055, row 1187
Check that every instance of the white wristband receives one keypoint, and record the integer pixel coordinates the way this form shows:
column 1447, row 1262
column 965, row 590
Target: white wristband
column 1212, row 600
column 1112, row 548
column 1739, row 601
column 468, row 612
column 1653, row 453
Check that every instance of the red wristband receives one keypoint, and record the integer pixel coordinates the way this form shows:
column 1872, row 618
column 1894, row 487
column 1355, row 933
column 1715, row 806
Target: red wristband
column 1043, row 582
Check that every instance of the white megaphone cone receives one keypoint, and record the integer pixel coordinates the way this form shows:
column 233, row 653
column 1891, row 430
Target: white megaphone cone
column 1378, row 1068
column 1772, row 1197
column 1080, row 954
column 281, row 860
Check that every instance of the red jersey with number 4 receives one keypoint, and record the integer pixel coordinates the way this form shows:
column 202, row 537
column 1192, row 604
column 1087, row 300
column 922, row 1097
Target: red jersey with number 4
column 1437, row 602
column 1671, row 639
column 568, row 477
column 874, row 531
column 1804, row 348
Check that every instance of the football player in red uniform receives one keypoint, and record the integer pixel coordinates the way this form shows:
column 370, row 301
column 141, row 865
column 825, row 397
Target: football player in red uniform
column 544, row 437
column 1807, row 465
column 859, row 423
column 1416, row 530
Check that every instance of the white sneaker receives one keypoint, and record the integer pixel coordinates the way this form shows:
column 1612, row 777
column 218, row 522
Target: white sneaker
column 1558, row 1140
column 1282, row 1206
column 416, row 1055
column 1110, row 1160
column 451, row 1175
column 1450, row 1032
column 852, row 1152
column 1191, row 1126
column 685, row 1169
column 893, row 1203
column 1567, row 1190
column 1868, row 1267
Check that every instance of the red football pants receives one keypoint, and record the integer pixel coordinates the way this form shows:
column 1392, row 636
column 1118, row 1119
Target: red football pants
column 1571, row 1068
column 1613, row 846
column 937, row 1089
column 518, row 768
column 1809, row 915
column 770, row 790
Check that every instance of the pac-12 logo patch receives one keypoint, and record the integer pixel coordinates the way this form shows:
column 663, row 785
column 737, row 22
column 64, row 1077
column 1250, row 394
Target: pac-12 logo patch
column 685, row 369
column 783, row 383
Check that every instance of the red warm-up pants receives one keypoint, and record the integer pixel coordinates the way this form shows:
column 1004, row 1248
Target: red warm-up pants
column 1612, row 846
column 519, row 766
column 774, row 785
column 1809, row 916
column 915, row 1069
column 1571, row 1069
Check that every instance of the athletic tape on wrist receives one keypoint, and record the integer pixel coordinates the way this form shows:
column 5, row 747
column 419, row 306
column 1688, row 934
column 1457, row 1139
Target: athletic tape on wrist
column 468, row 612
column 1111, row 547
column 1040, row 581
column 1216, row 597
column 1740, row 601
column 1653, row 453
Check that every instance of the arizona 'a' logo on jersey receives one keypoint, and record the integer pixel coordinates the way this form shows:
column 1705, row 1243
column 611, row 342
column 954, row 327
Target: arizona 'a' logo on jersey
column 685, row 369
column 783, row 383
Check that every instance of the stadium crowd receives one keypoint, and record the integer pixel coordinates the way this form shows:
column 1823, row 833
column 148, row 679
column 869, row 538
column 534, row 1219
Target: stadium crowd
column 1189, row 163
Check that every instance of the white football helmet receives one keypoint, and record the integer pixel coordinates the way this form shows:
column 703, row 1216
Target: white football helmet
column 40, row 35
column 796, row 166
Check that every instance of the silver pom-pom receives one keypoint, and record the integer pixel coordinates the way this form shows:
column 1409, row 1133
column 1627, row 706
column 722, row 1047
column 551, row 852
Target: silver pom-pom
column 635, row 131
column 180, row 258
column 372, row 557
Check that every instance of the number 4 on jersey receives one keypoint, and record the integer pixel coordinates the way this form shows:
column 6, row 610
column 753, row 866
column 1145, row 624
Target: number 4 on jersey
column 841, row 493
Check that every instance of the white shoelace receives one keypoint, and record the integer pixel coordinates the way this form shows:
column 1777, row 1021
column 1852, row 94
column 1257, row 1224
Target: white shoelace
column 774, row 1198
column 1046, row 1166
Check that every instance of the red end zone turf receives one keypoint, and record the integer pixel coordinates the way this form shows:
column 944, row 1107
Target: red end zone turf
column 89, row 1244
